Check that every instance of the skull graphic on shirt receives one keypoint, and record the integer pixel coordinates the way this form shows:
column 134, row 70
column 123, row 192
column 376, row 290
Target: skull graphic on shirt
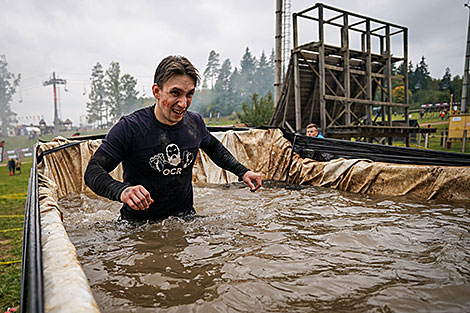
column 172, row 159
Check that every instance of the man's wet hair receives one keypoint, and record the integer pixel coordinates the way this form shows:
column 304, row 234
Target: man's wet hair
column 175, row 65
column 311, row 126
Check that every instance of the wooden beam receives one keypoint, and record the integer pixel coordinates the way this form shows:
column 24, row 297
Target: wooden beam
column 333, row 18
column 346, row 73
column 321, row 36
column 360, row 86
column 337, row 117
column 398, row 31
column 294, row 25
column 378, row 28
column 359, row 72
column 365, row 101
column 288, row 93
column 357, row 23
column 388, row 46
column 338, row 83
column 405, row 79
column 312, row 101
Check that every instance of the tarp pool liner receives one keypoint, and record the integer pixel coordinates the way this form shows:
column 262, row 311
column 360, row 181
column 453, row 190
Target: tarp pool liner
column 265, row 151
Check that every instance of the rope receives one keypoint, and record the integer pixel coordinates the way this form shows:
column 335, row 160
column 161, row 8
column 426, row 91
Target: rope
column 10, row 262
column 11, row 229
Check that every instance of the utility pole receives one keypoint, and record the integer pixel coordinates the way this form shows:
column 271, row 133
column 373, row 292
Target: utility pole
column 55, row 81
column 463, row 105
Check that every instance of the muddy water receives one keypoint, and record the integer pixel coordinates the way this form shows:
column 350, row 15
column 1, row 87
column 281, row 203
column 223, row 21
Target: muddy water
column 278, row 250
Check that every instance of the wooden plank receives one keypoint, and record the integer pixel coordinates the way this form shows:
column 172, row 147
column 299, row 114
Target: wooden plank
column 346, row 73
column 405, row 79
column 365, row 101
column 321, row 36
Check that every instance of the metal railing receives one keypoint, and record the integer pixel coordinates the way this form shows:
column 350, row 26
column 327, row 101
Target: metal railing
column 32, row 285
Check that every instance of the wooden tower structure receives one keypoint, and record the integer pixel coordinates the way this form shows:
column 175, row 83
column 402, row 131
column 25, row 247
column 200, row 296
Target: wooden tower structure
column 346, row 90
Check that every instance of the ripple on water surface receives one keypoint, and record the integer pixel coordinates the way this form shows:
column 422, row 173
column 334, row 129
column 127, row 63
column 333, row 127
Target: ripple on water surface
column 278, row 250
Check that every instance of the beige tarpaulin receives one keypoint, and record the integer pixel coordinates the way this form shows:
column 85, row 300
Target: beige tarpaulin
column 265, row 151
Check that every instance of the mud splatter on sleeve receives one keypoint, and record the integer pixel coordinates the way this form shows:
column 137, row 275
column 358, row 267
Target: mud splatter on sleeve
column 222, row 157
column 98, row 179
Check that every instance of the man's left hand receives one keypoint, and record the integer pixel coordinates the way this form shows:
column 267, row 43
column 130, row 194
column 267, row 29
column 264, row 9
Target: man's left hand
column 251, row 177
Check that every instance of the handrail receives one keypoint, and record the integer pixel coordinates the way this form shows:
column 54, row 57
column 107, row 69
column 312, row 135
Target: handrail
column 32, row 284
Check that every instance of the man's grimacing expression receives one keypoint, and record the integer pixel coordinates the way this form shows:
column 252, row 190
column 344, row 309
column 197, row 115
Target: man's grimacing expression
column 173, row 98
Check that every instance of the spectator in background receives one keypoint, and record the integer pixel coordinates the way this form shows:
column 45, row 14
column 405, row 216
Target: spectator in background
column 313, row 131
column 18, row 166
column 443, row 114
column 11, row 166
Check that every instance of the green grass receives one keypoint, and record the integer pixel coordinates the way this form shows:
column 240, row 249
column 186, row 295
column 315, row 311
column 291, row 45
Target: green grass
column 224, row 120
column 13, row 191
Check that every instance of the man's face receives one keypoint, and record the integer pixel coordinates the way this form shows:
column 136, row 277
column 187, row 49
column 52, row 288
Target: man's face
column 312, row 132
column 173, row 98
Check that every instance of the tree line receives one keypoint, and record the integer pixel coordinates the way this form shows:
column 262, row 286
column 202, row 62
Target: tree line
column 423, row 88
column 111, row 95
column 225, row 88
column 8, row 84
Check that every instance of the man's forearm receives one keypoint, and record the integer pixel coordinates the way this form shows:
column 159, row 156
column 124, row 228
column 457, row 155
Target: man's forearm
column 223, row 158
column 98, row 179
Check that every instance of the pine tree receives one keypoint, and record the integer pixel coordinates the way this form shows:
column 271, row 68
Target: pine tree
column 113, row 91
column 247, row 72
column 97, row 96
column 223, row 79
column 263, row 80
column 128, row 84
column 258, row 112
column 8, row 84
column 444, row 84
column 422, row 74
column 236, row 88
column 456, row 87
column 212, row 68
column 222, row 102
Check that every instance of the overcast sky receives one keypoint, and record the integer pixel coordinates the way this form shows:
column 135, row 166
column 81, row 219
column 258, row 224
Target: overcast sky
column 69, row 37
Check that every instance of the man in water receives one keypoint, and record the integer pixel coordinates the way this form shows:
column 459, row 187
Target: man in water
column 312, row 131
column 158, row 146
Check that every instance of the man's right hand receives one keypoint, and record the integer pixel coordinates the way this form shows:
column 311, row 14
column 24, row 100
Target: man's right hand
column 137, row 197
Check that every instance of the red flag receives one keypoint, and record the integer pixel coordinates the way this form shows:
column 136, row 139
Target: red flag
column 2, row 144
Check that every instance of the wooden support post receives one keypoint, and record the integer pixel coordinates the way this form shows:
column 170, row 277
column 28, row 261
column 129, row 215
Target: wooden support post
column 321, row 65
column 286, row 106
column 389, row 77
column 419, row 139
column 426, row 140
column 464, row 139
column 405, row 81
column 346, row 67
column 369, row 73
column 444, row 138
